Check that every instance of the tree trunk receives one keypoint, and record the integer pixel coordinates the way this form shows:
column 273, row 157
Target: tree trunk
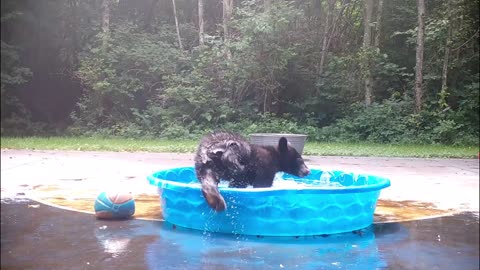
column 325, row 36
column 317, row 14
column 265, row 99
column 227, row 14
column 378, row 25
column 367, row 33
column 106, row 4
column 335, row 23
column 367, row 44
column 267, row 94
column 149, row 14
column 176, row 25
column 446, row 57
column 419, row 56
column 317, row 8
column 74, row 41
column 267, row 5
column 201, row 40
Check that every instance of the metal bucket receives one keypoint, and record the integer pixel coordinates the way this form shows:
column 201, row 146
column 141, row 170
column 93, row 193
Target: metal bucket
column 296, row 140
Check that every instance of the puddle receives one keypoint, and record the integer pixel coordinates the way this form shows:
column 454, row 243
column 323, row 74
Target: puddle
column 46, row 237
column 147, row 206
column 398, row 211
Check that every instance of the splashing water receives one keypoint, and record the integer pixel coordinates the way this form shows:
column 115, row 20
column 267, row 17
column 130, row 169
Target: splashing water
column 283, row 180
column 286, row 181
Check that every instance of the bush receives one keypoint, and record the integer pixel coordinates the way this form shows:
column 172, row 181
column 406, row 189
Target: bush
column 19, row 126
column 393, row 122
column 122, row 77
column 382, row 123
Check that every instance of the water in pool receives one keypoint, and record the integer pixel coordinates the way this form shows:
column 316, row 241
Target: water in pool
column 324, row 180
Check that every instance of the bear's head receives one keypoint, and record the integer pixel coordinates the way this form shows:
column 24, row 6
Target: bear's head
column 233, row 155
column 290, row 160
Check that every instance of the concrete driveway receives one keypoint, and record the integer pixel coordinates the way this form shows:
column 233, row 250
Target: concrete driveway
column 35, row 236
column 443, row 183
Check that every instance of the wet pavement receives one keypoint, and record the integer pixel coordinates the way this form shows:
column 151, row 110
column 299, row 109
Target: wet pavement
column 38, row 236
column 445, row 183
column 427, row 219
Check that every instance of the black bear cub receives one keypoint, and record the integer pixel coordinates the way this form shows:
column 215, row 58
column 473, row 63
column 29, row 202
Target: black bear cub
column 228, row 156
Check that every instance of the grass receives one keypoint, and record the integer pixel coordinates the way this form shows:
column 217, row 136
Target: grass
column 99, row 144
column 189, row 146
column 389, row 150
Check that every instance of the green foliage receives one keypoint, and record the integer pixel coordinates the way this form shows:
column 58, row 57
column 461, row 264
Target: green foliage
column 15, row 117
column 377, row 123
column 12, row 74
column 393, row 122
column 266, row 52
column 215, row 91
column 469, row 105
column 266, row 76
column 22, row 126
column 121, row 78
column 268, row 123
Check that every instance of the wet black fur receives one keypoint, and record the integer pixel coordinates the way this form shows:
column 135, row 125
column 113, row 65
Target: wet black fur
column 228, row 156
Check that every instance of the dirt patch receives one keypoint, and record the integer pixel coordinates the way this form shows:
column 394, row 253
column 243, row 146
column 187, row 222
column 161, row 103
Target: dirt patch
column 396, row 211
column 147, row 206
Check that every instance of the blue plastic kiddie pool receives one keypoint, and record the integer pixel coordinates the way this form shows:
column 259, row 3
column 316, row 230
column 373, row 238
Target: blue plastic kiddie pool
column 324, row 202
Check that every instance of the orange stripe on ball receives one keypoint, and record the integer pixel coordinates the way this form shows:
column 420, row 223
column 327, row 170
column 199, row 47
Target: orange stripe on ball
column 120, row 197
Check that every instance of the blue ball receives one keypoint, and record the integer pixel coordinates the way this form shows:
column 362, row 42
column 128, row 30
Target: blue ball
column 114, row 205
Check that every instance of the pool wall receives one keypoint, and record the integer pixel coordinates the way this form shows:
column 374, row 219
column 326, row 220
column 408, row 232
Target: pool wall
column 270, row 211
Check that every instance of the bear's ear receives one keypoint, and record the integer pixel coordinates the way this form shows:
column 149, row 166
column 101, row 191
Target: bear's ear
column 232, row 144
column 215, row 153
column 283, row 145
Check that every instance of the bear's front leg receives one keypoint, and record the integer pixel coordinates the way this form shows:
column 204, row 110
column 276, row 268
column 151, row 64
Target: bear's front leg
column 209, row 180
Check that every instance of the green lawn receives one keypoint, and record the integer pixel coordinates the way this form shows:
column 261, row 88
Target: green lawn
column 389, row 150
column 189, row 146
column 99, row 144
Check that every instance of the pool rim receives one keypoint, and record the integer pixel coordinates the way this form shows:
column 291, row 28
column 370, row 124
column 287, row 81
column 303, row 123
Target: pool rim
column 383, row 183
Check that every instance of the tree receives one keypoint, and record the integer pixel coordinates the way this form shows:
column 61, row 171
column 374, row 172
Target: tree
column 329, row 30
column 130, row 67
column 419, row 56
column 227, row 15
column 446, row 56
column 106, row 5
column 267, row 4
column 367, row 44
column 177, row 26
column 378, row 23
column 149, row 14
column 200, row 23
column 331, row 5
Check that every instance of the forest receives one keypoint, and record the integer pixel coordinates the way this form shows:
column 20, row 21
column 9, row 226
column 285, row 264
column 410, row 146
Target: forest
column 396, row 72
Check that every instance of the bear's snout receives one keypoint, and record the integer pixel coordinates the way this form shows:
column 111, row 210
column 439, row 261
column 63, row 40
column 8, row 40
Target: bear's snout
column 304, row 171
